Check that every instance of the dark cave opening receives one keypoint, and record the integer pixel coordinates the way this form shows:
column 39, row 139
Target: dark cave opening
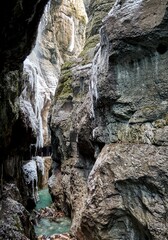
column 161, row 48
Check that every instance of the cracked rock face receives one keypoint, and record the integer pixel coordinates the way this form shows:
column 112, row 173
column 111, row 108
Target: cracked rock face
column 14, row 219
column 127, row 194
column 18, row 25
column 122, row 105
column 126, row 182
column 18, row 29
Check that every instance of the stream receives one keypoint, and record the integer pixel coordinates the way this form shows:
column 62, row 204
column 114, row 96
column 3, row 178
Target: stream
column 46, row 226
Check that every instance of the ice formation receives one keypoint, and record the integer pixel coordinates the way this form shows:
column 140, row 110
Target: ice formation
column 93, row 82
column 30, row 176
column 40, row 84
column 72, row 42
column 40, row 164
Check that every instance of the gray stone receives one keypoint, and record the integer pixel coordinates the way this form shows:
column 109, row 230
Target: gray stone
column 14, row 218
column 127, row 196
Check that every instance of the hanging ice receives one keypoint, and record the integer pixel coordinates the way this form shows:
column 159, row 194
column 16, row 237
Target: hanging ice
column 40, row 84
column 30, row 171
column 94, row 76
column 35, row 79
column 72, row 42
column 30, row 176
column 40, row 164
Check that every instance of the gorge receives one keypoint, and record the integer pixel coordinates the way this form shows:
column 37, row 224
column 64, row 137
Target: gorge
column 84, row 110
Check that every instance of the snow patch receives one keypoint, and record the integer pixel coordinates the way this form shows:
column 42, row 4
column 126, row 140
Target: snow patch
column 40, row 164
column 30, row 171
column 30, row 176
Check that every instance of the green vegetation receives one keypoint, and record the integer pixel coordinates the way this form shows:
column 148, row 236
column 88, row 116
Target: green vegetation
column 91, row 42
column 64, row 89
column 67, row 65
column 89, row 47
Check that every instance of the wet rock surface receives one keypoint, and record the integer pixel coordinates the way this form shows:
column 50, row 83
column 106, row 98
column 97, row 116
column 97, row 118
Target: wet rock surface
column 19, row 23
column 108, row 120
column 48, row 221
column 21, row 18
column 123, row 102
column 57, row 237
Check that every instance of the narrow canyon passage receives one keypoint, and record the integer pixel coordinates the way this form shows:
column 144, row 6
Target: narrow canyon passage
column 40, row 81
column 41, row 73
column 84, row 120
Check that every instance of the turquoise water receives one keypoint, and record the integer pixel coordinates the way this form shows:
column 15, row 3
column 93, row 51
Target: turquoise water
column 46, row 226
column 44, row 199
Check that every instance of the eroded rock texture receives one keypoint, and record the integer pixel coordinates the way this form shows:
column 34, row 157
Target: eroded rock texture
column 15, row 219
column 19, row 22
column 26, row 98
column 73, row 150
column 127, row 196
column 18, row 29
column 118, row 100
column 61, row 35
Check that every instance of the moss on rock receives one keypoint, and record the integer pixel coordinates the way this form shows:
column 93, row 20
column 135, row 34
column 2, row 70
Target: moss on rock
column 64, row 89
column 89, row 49
column 67, row 65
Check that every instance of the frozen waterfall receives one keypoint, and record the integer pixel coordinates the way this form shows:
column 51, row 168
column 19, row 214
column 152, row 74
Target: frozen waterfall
column 72, row 42
column 41, row 77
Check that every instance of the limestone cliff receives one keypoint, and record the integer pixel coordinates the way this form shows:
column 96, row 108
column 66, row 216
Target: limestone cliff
column 61, row 35
column 108, row 121
column 41, row 73
column 71, row 139
column 109, row 128
column 26, row 98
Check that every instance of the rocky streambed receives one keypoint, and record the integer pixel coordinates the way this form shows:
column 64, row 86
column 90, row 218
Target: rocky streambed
column 48, row 222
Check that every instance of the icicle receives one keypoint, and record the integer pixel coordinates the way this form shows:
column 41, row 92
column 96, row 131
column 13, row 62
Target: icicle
column 33, row 108
column 30, row 171
column 40, row 164
column 72, row 42
column 30, row 175
column 93, row 82
column 95, row 71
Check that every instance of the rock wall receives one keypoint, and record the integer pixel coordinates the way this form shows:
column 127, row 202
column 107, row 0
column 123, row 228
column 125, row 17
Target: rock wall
column 41, row 72
column 127, row 194
column 70, row 18
column 96, row 11
column 26, row 98
column 18, row 18
column 42, row 66
column 108, row 120
column 71, row 133
column 18, row 30
column 109, row 128
column 15, row 219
